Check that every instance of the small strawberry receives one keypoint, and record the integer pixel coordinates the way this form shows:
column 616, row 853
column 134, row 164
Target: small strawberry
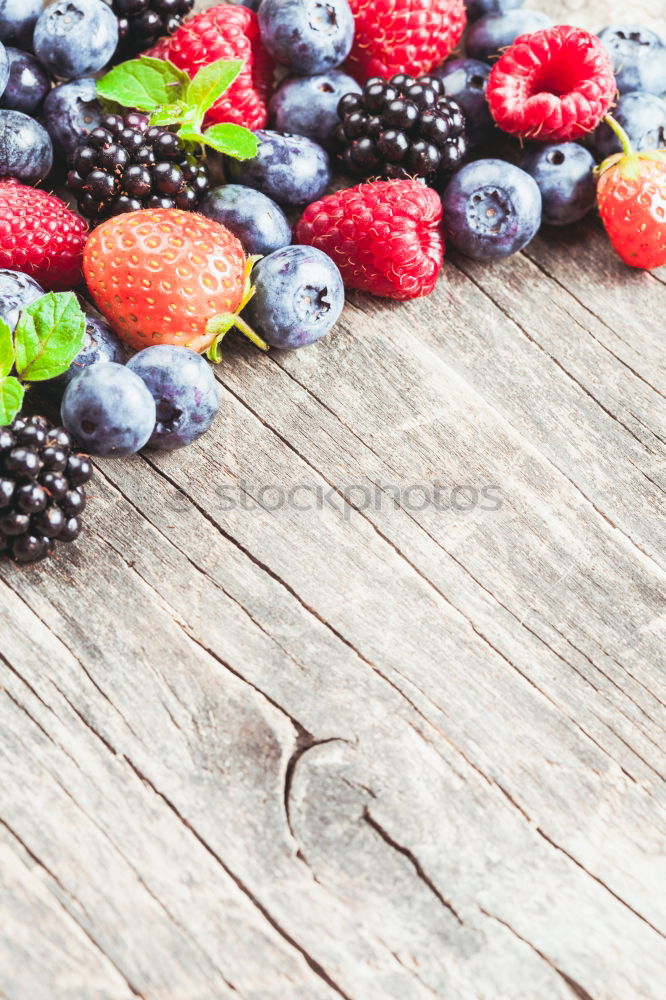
column 632, row 202
column 404, row 36
column 40, row 236
column 385, row 236
column 554, row 84
column 165, row 276
column 225, row 32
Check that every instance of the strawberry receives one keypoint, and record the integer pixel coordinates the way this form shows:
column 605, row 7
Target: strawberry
column 632, row 202
column 385, row 236
column 225, row 32
column 165, row 276
column 403, row 36
column 554, row 84
column 40, row 236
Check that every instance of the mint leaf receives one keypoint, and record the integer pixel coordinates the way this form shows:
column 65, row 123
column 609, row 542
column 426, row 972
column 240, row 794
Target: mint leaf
column 6, row 349
column 145, row 84
column 11, row 398
column 170, row 115
column 48, row 336
column 234, row 140
column 211, row 82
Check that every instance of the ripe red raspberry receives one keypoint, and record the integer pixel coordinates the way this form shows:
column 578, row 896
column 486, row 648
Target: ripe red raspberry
column 553, row 84
column 226, row 32
column 385, row 236
column 404, row 36
column 40, row 236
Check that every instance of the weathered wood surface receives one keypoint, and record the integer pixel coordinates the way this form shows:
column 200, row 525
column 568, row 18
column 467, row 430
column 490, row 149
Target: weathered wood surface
column 380, row 753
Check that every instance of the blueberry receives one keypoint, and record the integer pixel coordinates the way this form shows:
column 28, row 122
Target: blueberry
column 109, row 410
column 100, row 343
column 298, row 297
column 494, row 32
column 308, row 36
column 17, row 291
column 185, row 391
column 639, row 58
column 564, row 173
column 17, row 20
column 70, row 112
column 26, row 151
column 290, row 169
column 466, row 81
column 75, row 38
column 479, row 8
column 642, row 116
column 491, row 209
column 4, row 68
column 28, row 84
column 258, row 222
column 308, row 105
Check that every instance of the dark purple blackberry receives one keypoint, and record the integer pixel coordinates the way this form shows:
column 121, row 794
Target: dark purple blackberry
column 403, row 127
column 142, row 22
column 41, row 488
column 125, row 164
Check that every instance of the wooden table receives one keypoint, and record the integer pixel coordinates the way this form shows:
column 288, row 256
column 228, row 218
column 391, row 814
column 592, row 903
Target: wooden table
column 399, row 747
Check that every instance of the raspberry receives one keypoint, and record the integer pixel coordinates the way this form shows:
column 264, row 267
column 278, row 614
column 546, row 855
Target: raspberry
column 142, row 22
column 123, row 166
column 385, row 236
column 226, row 32
column 41, row 488
column 403, row 128
column 40, row 236
column 552, row 84
column 404, row 36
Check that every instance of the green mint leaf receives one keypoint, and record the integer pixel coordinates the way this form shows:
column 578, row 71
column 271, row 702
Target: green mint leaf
column 6, row 349
column 145, row 84
column 48, row 336
column 191, row 132
column 211, row 82
column 234, row 140
column 11, row 398
column 170, row 115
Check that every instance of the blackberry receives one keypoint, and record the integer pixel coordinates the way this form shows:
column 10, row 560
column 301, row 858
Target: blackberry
column 142, row 22
column 125, row 164
column 42, row 492
column 402, row 127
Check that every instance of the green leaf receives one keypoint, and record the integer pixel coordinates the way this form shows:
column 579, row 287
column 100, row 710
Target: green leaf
column 11, row 398
column 211, row 82
column 6, row 349
column 234, row 140
column 170, row 115
column 48, row 336
column 145, row 84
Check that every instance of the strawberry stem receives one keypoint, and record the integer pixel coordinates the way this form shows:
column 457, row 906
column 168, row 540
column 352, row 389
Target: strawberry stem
column 625, row 141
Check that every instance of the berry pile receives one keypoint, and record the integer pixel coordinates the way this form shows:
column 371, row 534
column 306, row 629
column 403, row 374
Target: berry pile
column 125, row 165
column 142, row 22
column 474, row 151
column 41, row 488
column 404, row 127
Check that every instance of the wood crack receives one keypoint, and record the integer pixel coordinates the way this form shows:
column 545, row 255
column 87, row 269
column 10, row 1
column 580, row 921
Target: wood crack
column 414, row 861
column 576, row 988
column 312, row 962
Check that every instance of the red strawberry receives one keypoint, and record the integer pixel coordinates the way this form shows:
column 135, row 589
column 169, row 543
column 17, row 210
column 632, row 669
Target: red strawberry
column 552, row 84
column 632, row 203
column 385, row 237
column 40, row 236
column 226, row 32
column 404, row 36
column 162, row 276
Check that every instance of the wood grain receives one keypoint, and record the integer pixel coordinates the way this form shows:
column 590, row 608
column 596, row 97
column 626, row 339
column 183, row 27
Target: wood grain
column 378, row 750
